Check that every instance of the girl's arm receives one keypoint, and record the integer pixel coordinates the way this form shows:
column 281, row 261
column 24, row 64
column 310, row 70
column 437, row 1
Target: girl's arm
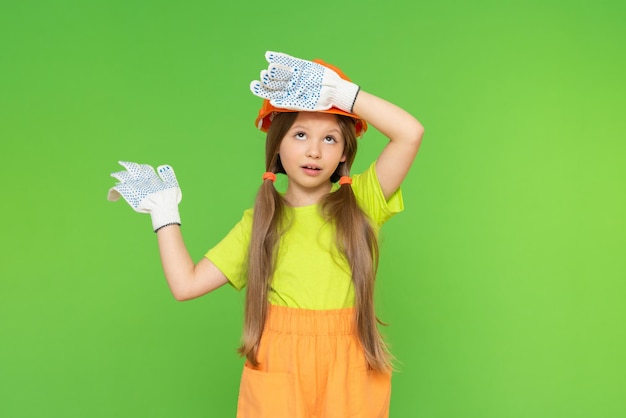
column 158, row 193
column 404, row 133
column 186, row 279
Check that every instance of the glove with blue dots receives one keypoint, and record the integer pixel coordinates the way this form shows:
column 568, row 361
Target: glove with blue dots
column 149, row 192
column 296, row 84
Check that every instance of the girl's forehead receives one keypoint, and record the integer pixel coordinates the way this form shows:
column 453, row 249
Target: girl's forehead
column 317, row 118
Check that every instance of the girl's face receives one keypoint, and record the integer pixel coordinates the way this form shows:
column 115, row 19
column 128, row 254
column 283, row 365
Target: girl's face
column 310, row 153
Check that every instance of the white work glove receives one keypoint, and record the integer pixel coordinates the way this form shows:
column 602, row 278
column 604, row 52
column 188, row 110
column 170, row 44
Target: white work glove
column 149, row 192
column 296, row 84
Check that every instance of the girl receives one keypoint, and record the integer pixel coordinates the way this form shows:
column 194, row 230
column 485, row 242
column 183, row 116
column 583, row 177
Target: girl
column 308, row 257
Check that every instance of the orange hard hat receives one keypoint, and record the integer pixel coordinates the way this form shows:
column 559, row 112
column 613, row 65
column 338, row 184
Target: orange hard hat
column 267, row 112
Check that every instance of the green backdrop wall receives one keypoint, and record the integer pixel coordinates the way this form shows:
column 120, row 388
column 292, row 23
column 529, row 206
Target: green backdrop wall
column 503, row 281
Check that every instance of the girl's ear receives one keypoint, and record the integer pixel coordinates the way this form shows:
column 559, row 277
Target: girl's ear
column 343, row 158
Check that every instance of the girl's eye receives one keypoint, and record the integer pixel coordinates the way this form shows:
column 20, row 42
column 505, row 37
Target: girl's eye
column 330, row 140
column 300, row 135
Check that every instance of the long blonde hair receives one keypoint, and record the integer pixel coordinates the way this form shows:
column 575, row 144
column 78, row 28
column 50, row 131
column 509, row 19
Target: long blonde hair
column 355, row 237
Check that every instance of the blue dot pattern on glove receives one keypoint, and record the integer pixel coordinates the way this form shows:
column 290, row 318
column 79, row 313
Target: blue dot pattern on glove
column 141, row 180
column 277, row 77
column 292, row 83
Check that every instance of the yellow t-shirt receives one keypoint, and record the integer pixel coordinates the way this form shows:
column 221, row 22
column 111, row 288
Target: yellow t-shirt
column 310, row 272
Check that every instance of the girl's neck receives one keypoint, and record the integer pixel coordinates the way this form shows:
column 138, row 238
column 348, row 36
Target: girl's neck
column 297, row 197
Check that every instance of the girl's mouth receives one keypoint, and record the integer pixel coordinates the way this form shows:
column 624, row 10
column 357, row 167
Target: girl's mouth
column 311, row 170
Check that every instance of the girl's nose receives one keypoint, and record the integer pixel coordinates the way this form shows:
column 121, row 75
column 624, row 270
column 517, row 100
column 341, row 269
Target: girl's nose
column 313, row 150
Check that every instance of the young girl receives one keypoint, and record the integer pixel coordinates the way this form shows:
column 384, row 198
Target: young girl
column 308, row 257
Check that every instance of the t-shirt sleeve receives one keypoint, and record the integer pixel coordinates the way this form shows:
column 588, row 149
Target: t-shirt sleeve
column 370, row 196
column 230, row 255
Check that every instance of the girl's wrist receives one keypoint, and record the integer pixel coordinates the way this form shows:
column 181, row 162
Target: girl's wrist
column 345, row 95
column 166, row 225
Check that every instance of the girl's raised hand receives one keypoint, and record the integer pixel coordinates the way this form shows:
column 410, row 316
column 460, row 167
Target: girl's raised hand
column 296, row 84
column 149, row 192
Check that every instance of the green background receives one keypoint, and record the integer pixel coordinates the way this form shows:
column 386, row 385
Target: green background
column 503, row 281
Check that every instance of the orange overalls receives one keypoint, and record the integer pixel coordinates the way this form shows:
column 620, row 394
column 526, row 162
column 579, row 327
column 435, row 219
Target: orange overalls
column 311, row 365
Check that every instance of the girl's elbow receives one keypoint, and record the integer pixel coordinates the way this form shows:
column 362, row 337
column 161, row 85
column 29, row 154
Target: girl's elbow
column 193, row 292
column 418, row 131
column 181, row 294
column 414, row 135
column 413, row 131
column 180, row 297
